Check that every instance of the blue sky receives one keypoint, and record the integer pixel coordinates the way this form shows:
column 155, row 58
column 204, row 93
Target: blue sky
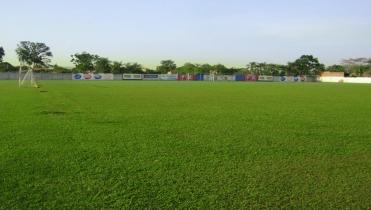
column 232, row 32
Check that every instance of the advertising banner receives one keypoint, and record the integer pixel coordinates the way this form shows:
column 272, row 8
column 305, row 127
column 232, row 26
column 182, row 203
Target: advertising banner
column 168, row 77
column 303, row 78
column 103, row 76
column 77, row 76
column 185, row 77
column 240, row 77
column 182, row 77
column 92, row 76
column 251, row 78
column 151, row 77
column 199, row 77
column 224, row 77
column 207, row 77
column 293, row 78
column 296, row 79
column 284, row 78
column 131, row 76
column 265, row 78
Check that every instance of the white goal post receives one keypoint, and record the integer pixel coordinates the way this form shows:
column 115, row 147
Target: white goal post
column 27, row 76
column 212, row 76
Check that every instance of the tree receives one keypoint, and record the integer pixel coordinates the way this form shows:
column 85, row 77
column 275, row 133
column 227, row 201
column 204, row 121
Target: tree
column 220, row 69
column 2, row 54
column 336, row 68
column 60, row 69
column 357, row 70
column 282, row 70
column 206, row 68
column 103, row 65
column 306, row 65
column 253, row 68
column 133, row 68
column 5, row 66
column 33, row 54
column 151, row 71
column 167, row 66
column 84, row 61
column 235, row 70
column 117, row 67
column 356, row 66
column 189, row 68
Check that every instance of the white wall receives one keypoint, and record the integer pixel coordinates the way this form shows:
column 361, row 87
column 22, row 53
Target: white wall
column 332, row 79
column 363, row 80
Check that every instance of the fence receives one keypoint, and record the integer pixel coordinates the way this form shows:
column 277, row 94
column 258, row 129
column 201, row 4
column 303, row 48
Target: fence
column 180, row 77
column 37, row 76
column 169, row 77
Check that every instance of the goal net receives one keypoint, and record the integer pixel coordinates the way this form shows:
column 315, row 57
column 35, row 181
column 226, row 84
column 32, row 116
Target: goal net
column 26, row 78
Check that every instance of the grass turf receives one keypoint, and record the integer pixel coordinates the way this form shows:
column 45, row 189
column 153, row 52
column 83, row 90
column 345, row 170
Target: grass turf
column 168, row 145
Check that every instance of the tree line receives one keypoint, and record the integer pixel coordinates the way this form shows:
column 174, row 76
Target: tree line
column 38, row 57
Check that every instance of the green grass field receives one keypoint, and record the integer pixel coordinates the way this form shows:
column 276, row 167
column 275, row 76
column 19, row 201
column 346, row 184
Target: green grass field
column 166, row 145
